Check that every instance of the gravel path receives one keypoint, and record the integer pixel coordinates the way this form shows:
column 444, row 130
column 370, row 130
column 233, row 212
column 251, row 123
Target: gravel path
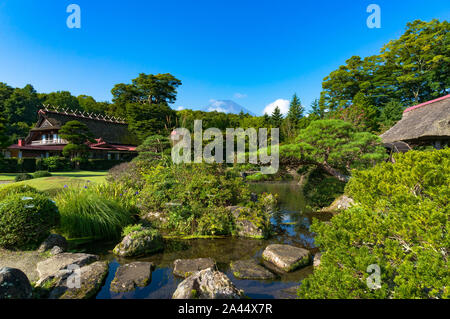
column 23, row 260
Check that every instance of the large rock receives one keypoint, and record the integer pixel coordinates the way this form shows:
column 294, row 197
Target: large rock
column 244, row 226
column 207, row 284
column 250, row 269
column 130, row 276
column 49, row 267
column 341, row 203
column 81, row 283
column 140, row 243
column 287, row 257
column 52, row 241
column 14, row 284
column 187, row 267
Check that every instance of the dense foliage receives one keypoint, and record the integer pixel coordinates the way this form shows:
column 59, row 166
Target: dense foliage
column 26, row 219
column 336, row 147
column 401, row 223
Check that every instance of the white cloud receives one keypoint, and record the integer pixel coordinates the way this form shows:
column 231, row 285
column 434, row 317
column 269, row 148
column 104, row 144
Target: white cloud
column 179, row 108
column 281, row 103
column 216, row 108
column 239, row 95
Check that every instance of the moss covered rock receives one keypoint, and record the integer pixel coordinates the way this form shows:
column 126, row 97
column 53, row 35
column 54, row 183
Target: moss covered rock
column 286, row 257
column 140, row 242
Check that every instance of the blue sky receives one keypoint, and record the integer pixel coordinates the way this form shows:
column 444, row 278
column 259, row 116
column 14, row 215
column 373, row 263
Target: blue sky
column 252, row 52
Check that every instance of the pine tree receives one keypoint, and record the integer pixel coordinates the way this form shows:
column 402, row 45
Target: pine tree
column 277, row 117
column 295, row 110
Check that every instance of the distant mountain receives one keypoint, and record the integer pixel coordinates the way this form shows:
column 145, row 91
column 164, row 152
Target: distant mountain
column 226, row 106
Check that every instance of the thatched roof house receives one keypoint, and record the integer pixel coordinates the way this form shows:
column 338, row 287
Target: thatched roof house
column 423, row 124
column 113, row 139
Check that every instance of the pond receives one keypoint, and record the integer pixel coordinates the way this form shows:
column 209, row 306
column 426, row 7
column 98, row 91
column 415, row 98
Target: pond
column 291, row 221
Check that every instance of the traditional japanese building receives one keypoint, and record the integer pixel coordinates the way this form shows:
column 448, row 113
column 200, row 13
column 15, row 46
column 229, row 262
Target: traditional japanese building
column 426, row 124
column 112, row 137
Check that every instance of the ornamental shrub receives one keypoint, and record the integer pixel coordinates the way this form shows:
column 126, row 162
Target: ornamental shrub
column 26, row 219
column 400, row 223
column 15, row 189
column 22, row 177
column 40, row 174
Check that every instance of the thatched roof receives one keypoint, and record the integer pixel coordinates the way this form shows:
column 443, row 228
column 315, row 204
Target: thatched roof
column 111, row 130
column 429, row 120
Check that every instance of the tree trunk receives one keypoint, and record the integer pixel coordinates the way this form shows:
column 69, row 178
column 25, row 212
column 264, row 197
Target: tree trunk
column 330, row 170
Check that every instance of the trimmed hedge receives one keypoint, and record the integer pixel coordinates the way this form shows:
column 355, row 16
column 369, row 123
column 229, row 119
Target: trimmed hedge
column 53, row 164
column 26, row 219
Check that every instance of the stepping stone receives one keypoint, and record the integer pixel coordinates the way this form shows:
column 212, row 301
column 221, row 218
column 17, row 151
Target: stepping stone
column 52, row 265
column 286, row 257
column 187, row 267
column 207, row 284
column 250, row 269
column 130, row 276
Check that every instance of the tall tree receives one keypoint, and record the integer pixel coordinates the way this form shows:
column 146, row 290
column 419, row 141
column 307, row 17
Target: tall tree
column 391, row 113
column 20, row 111
column 60, row 99
column 295, row 110
column 420, row 61
column 145, row 103
column 277, row 117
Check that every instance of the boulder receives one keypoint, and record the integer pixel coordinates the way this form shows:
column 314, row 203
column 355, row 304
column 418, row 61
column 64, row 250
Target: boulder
column 56, row 250
column 250, row 269
column 79, row 283
column 52, row 241
column 341, row 203
column 140, row 243
column 287, row 257
column 207, row 284
column 244, row 226
column 187, row 267
column 316, row 261
column 130, row 276
column 155, row 216
column 14, row 284
column 49, row 267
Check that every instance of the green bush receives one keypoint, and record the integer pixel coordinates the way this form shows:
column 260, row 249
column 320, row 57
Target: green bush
column 27, row 164
column 401, row 223
column 40, row 174
column 23, row 177
column 86, row 213
column 15, row 189
column 99, row 164
column 215, row 221
column 9, row 165
column 54, row 164
column 26, row 219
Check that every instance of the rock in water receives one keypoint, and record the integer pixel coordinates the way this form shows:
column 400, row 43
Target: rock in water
column 207, row 284
column 52, row 265
column 187, row 267
column 140, row 243
column 250, row 269
column 52, row 241
column 130, row 276
column 14, row 284
column 83, row 283
column 244, row 226
column 287, row 257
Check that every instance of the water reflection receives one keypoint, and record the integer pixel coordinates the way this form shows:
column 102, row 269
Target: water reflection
column 291, row 221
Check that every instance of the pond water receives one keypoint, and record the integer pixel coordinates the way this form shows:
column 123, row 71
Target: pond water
column 291, row 222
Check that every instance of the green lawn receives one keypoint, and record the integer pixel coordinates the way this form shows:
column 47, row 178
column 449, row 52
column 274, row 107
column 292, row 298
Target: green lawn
column 59, row 179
